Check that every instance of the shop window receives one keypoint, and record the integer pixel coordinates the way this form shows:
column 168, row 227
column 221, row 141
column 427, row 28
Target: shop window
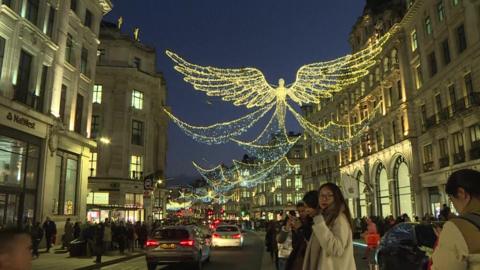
column 65, row 184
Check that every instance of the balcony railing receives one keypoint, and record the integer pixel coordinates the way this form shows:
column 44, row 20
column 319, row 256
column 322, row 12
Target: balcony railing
column 444, row 162
column 428, row 166
column 475, row 150
column 459, row 157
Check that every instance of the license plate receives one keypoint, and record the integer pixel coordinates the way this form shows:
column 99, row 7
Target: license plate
column 167, row 246
column 226, row 236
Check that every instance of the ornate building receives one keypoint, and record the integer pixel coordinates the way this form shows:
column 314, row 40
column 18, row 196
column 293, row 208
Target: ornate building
column 128, row 101
column 429, row 125
column 47, row 65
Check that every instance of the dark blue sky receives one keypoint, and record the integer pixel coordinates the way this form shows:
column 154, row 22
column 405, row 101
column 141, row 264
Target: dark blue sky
column 276, row 36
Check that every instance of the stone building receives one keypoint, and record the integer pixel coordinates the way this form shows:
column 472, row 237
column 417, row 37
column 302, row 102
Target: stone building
column 128, row 101
column 47, row 65
column 424, row 82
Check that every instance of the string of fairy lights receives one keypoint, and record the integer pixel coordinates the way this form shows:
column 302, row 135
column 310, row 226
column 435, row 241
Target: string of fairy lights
column 248, row 87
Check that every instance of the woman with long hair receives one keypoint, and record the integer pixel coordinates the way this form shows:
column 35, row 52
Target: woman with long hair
column 330, row 246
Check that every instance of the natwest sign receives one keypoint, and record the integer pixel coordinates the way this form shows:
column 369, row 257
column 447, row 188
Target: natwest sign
column 13, row 117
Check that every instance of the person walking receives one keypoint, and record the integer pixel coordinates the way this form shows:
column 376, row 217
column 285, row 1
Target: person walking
column 284, row 240
column 372, row 238
column 77, row 230
column 121, row 238
column 107, row 235
column 67, row 235
column 331, row 245
column 99, row 242
column 50, row 229
column 458, row 244
column 271, row 242
column 36, row 235
column 130, row 237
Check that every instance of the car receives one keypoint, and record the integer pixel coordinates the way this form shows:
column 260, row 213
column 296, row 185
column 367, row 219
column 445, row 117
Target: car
column 227, row 236
column 178, row 245
column 406, row 246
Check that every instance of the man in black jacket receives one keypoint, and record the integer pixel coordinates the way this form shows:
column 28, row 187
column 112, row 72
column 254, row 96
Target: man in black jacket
column 301, row 232
column 50, row 229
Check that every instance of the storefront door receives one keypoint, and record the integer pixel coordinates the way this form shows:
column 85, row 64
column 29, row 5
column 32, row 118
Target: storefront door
column 9, row 206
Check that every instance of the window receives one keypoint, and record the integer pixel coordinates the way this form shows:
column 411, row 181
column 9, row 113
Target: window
column 84, row 61
column 386, row 65
column 289, row 198
column 370, row 80
column 423, row 111
column 137, row 132
column 455, row 2
column 69, row 49
column 136, row 167
column 88, row 18
column 38, row 98
column 475, row 133
column 461, row 39
column 428, row 26
column 443, row 147
column 100, row 54
column 79, row 114
column 402, row 120
column 458, row 143
column 137, row 99
column 22, row 86
column 451, row 94
column 97, row 93
column 446, row 52
column 98, row 198
column 132, row 199
column 468, row 84
column 441, row 11
column 95, row 128
column 298, row 197
column 2, row 53
column 73, row 5
column 278, row 182
column 414, row 40
column 289, row 182
column 50, row 21
column 93, row 164
column 65, row 184
column 399, row 90
column 137, row 62
column 8, row 3
column 438, row 103
column 390, row 96
column 419, row 77
column 31, row 11
column 432, row 62
column 63, row 103
column 278, row 199
column 427, row 154
column 394, row 132
column 298, row 182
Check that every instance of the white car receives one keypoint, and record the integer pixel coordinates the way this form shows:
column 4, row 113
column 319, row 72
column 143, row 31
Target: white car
column 227, row 236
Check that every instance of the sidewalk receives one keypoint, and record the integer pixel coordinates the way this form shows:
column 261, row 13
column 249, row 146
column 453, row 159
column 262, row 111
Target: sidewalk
column 267, row 262
column 60, row 260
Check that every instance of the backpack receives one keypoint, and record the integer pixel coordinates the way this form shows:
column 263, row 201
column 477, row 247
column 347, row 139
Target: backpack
column 473, row 218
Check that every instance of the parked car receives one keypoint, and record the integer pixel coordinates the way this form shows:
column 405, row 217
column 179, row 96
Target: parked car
column 227, row 236
column 405, row 246
column 178, row 244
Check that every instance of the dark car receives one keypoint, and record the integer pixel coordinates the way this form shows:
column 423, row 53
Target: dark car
column 404, row 247
column 178, row 244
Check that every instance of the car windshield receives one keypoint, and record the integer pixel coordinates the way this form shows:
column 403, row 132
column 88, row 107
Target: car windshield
column 227, row 229
column 171, row 234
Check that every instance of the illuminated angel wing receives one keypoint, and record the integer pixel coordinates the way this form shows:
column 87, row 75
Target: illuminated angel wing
column 323, row 79
column 243, row 86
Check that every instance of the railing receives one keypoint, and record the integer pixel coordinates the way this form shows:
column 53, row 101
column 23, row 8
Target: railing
column 459, row 157
column 428, row 166
column 444, row 162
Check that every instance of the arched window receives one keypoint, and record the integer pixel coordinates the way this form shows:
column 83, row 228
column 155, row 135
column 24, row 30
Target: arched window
column 362, row 88
column 394, row 56
column 403, row 191
column 386, row 65
column 377, row 74
column 383, row 191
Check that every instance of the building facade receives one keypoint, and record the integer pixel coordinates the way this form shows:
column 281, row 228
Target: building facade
column 48, row 52
column 423, row 87
column 128, row 101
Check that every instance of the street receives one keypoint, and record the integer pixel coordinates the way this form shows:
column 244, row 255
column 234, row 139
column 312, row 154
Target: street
column 250, row 257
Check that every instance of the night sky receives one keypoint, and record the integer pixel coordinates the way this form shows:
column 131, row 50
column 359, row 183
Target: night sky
column 276, row 36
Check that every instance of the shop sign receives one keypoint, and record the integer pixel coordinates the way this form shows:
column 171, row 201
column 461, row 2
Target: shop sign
column 18, row 119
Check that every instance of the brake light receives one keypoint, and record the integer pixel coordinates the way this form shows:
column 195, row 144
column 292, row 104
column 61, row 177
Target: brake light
column 187, row 243
column 152, row 243
column 216, row 235
column 236, row 236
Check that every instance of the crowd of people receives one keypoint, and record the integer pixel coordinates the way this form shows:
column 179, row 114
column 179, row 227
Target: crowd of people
column 321, row 236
